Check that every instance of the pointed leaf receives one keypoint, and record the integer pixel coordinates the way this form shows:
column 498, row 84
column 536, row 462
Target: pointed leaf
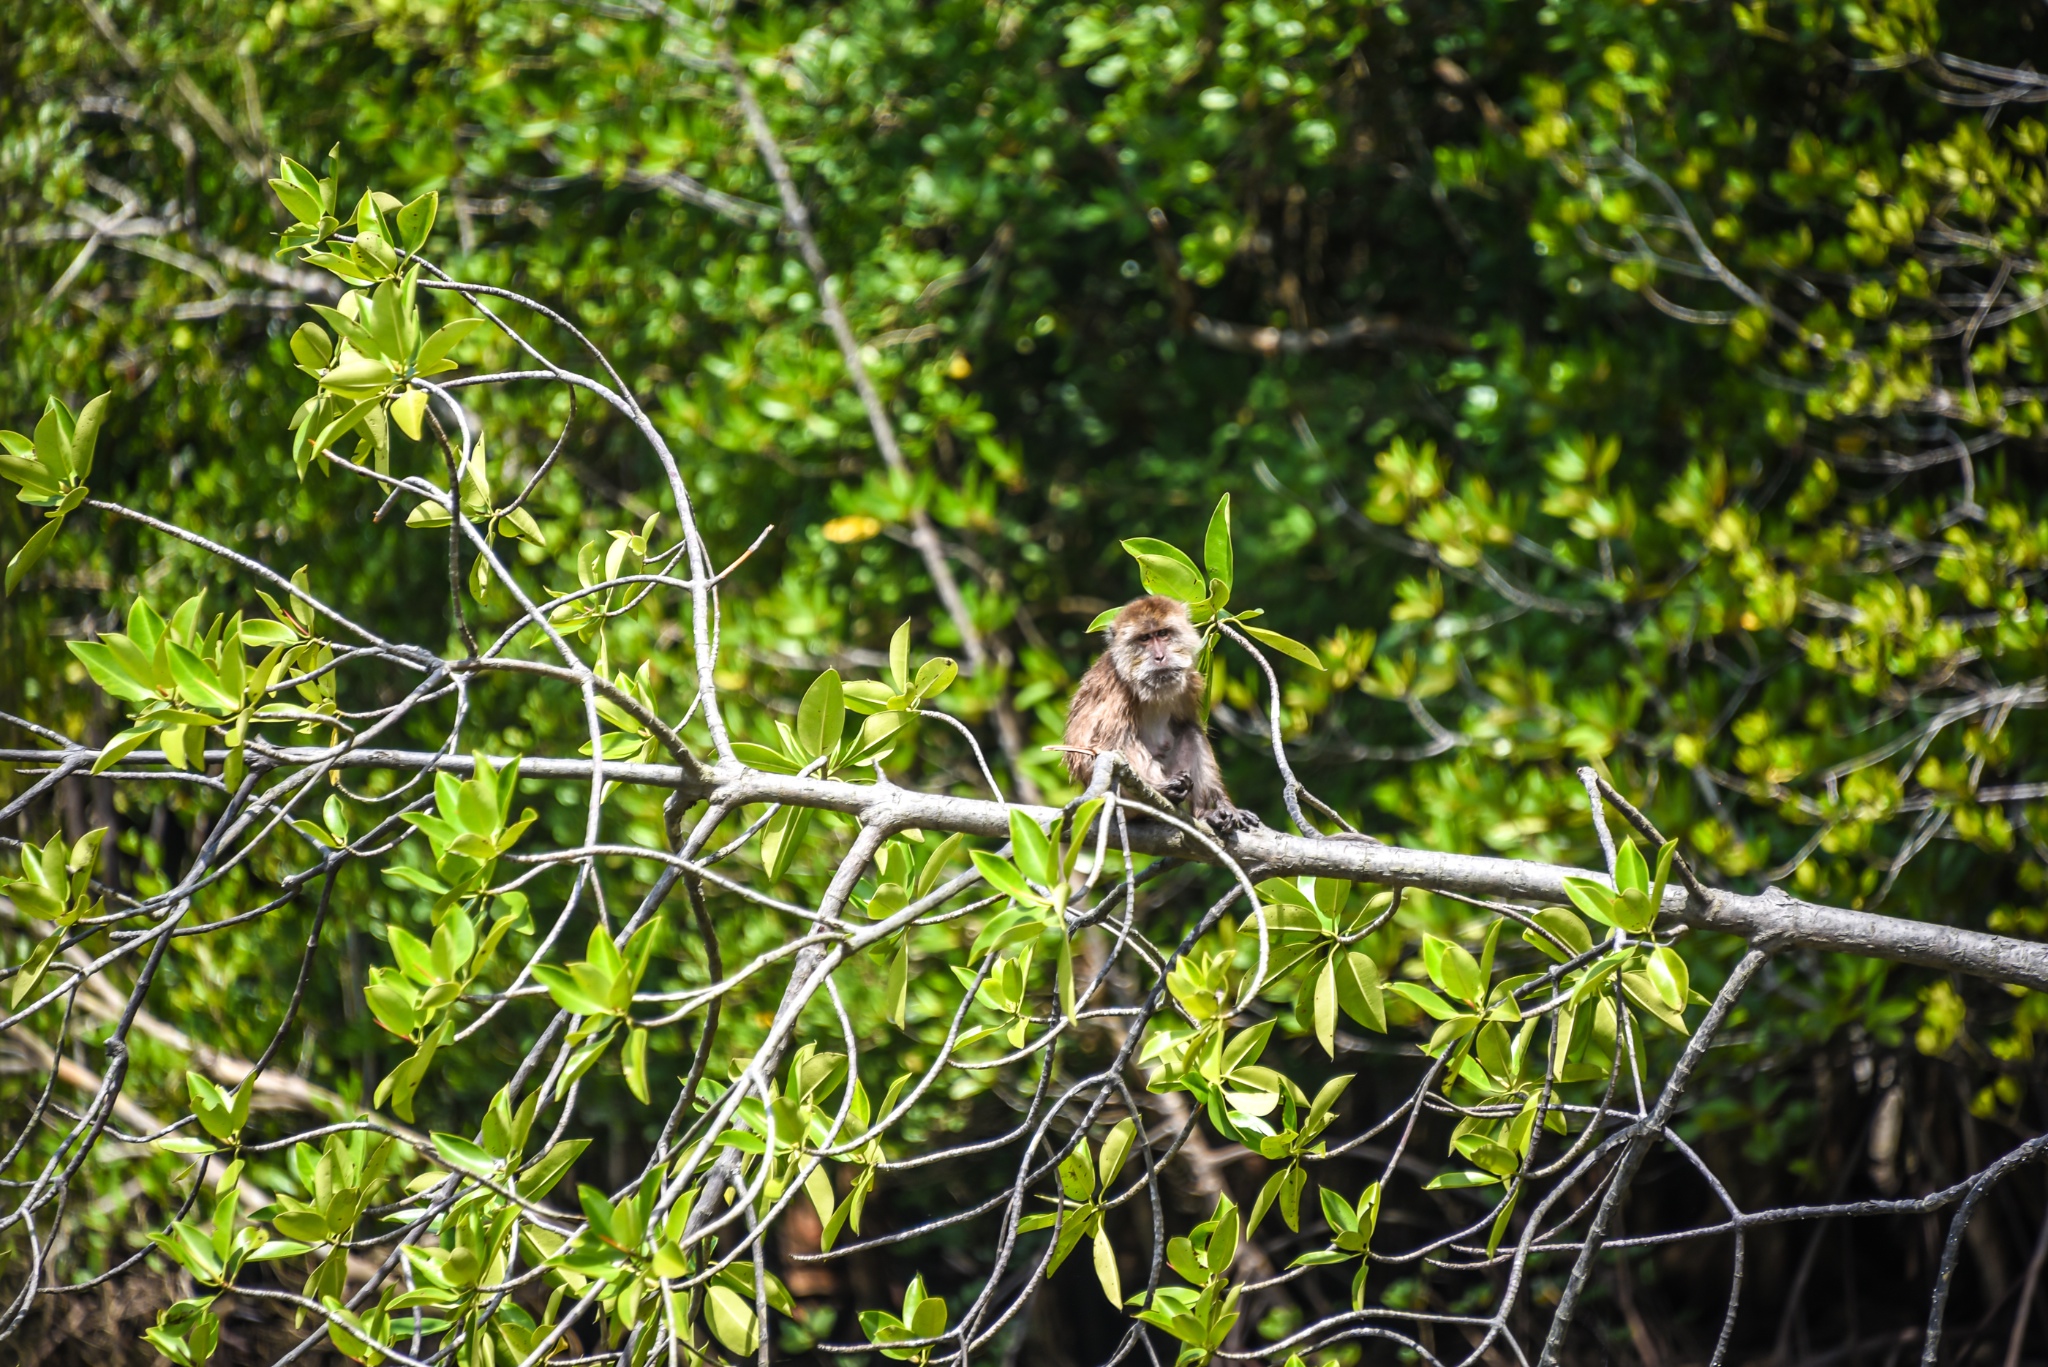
column 1115, row 1149
column 32, row 552
column 1001, row 875
column 1668, row 972
column 634, row 1060
column 1629, row 869
column 416, row 220
column 84, row 433
column 899, row 658
column 408, row 410
column 1358, row 989
column 1166, row 570
column 1030, row 848
column 1563, row 927
column 732, row 1319
column 1286, row 645
column 781, row 839
column 1326, row 1006
column 1217, row 556
column 1106, row 1269
column 821, row 717
column 464, row 1156
column 1592, row 898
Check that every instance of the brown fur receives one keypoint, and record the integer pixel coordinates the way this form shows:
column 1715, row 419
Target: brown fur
column 1143, row 699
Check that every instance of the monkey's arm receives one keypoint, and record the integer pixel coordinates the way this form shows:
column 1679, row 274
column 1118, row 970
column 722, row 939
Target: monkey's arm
column 1110, row 767
column 1100, row 721
column 1191, row 765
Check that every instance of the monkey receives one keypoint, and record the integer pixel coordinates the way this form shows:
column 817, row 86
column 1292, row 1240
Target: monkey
column 1142, row 698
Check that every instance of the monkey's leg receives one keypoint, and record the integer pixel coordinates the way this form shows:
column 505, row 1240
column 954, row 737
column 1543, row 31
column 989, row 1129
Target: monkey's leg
column 1228, row 819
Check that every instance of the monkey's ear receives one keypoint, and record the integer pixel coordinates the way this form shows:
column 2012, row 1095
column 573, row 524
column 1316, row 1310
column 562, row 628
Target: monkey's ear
column 1103, row 619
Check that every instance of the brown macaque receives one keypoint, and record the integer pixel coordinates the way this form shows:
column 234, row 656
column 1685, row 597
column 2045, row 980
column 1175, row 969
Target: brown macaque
column 1143, row 700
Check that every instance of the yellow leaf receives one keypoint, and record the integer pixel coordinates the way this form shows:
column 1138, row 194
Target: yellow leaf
column 843, row 531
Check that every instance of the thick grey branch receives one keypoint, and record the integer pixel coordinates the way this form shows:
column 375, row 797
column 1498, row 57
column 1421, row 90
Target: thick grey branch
column 1771, row 917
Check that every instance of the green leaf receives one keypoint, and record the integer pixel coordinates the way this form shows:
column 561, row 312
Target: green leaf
column 933, row 678
column 85, row 433
column 53, row 438
column 1216, row 550
column 539, row 1179
column 1629, row 869
column 1102, row 620
column 1077, row 1173
column 899, row 657
column 882, row 1327
column 1668, row 971
column 866, row 696
column 756, row 756
column 1421, row 996
column 32, row 552
column 934, row 866
column 121, row 746
column 408, row 410
column 434, row 352
column 1500, row 1222
column 634, row 1059
column 1105, row 1267
column 897, row 993
column 1337, row 1211
column 416, row 220
column 272, row 1249
column 821, row 717
column 302, row 204
column 928, row 1319
column 1451, row 967
column 1633, row 911
column 1264, row 1202
column 877, row 739
column 39, row 484
column 1116, row 1147
column 1564, row 927
column 732, row 1320
column 1002, row 875
column 1165, row 570
column 1592, row 898
column 32, row 971
column 464, row 1156
column 1358, row 989
column 1459, row 1181
column 781, row 839
column 312, row 347
column 395, row 1006
column 349, row 329
column 1646, row 993
column 1286, row 645
column 1030, row 848
column 1494, row 1158
column 1325, row 1006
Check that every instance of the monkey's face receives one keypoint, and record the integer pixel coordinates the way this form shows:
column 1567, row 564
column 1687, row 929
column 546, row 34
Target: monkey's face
column 1155, row 657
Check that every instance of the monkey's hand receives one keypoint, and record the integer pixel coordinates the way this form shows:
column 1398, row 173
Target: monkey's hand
column 1177, row 788
column 1227, row 820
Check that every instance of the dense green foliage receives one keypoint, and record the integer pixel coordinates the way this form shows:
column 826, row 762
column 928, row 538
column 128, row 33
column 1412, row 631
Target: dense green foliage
column 1649, row 386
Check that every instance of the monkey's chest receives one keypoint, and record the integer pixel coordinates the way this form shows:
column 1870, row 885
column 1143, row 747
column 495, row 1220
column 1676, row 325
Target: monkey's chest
column 1157, row 735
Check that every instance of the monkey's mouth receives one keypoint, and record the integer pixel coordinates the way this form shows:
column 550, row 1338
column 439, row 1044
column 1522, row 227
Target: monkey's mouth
column 1162, row 677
